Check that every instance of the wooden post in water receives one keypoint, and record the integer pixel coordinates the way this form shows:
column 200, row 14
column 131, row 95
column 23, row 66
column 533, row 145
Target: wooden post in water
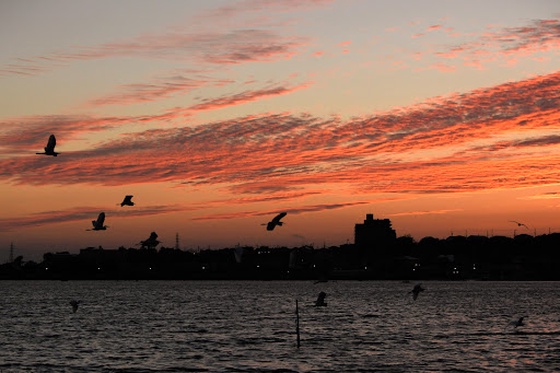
column 297, row 323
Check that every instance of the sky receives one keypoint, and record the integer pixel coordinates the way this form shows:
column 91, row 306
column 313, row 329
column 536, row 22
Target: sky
column 442, row 116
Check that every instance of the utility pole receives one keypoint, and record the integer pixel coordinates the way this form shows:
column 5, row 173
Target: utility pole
column 177, row 241
column 11, row 252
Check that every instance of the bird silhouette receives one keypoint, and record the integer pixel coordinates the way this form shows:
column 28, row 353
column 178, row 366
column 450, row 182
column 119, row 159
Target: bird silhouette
column 127, row 201
column 276, row 221
column 519, row 224
column 74, row 304
column 49, row 149
column 98, row 224
column 320, row 302
column 416, row 290
column 517, row 323
column 151, row 242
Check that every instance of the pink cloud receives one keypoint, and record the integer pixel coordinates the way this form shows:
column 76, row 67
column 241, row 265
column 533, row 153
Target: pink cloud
column 230, row 48
column 157, row 90
column 243, row 97
column 509, row 43
column 445, row 68
column 434, row 28
column 251, row 43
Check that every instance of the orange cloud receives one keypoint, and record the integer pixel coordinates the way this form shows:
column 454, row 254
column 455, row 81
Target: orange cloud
column 420, row 213
column 498, row 137
column 83, row 213
column 300, row 210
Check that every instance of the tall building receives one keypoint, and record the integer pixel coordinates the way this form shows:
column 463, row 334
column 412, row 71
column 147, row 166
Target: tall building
column 374, row 233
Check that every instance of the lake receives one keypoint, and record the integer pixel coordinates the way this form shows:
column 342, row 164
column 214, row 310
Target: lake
column 243, row 326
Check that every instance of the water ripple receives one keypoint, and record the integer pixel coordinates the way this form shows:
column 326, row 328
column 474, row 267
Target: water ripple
column 250, row 327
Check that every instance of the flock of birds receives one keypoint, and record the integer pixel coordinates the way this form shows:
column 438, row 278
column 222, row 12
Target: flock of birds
column 99, row 223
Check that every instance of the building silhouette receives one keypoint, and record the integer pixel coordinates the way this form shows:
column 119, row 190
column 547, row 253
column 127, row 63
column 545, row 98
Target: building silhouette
column 374, row 233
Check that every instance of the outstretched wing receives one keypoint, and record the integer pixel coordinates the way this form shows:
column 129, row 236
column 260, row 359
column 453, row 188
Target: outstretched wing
column 100, row 219
column 51, row 144
column 128, row 198
column 277, row 218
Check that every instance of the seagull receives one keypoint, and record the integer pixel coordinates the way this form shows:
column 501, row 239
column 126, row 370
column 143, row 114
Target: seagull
column 98, row 224
column 320, row 302
column 276, row 221
column 74, row 304
column 49, row 149
column 519, row 224
column 127, row 201
column 416, row 290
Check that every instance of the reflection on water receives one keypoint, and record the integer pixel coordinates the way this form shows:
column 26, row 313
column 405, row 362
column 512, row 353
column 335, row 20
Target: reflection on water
column 250, row 327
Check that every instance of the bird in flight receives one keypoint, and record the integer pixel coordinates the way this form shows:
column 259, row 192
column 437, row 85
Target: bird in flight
column 127, row 201
column 49, row 149
column 276, row 221
column 151, row 242
column 98, row 224
column 519, row 224
column 416, row 290
column 516, row 323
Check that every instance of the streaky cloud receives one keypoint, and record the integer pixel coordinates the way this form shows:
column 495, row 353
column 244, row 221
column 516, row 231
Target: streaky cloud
column 294, row 211
column 425, row 212
column 226, row 48
column 243, row 97
column 82, row 213
column 468, row 141
column 156, row 90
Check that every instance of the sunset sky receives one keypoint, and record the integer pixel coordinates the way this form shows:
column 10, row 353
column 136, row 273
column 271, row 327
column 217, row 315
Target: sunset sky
column 443, row 116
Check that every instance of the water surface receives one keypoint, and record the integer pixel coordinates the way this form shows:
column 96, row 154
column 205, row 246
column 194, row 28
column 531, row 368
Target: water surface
column 242, row 326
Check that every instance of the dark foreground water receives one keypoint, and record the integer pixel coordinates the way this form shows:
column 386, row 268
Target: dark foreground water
column 241, row 326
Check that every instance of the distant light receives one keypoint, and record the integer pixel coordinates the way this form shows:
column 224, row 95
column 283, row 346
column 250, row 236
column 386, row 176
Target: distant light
column 46, row 268
column 203, row 267
column 150, row 268
column 365, row 268
column 258, row 266
column 99, row 268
